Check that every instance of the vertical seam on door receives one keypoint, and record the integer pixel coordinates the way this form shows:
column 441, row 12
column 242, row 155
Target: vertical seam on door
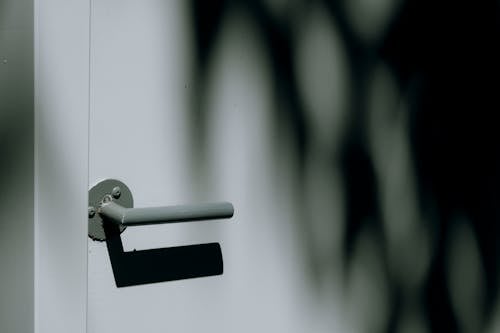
column 88, row 152
column 36, row 52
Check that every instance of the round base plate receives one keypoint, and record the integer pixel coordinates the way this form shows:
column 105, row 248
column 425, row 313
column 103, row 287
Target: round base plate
column 96, row 195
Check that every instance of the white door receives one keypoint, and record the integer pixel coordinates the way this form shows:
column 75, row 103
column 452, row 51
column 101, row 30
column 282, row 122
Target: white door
column 141, row 133
column 114, row 83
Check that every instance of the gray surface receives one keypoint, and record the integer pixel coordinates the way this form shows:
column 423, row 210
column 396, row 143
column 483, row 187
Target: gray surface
column 61, row 174
column 16, row 166
column 141, row 95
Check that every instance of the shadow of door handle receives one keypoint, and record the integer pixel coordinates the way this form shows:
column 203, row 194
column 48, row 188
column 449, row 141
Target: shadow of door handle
column 160, row 265
column 111, row 211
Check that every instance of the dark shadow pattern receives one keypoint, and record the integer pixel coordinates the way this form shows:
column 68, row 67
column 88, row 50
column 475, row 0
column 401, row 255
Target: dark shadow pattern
column 446, row 61
column 160, row 265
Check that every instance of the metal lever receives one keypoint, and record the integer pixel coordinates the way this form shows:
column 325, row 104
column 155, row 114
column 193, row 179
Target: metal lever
column 111, row 211
column 111, row 201
column 170, row 214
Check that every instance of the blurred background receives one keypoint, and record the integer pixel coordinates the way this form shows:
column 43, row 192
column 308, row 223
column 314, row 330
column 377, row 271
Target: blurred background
column 371, row 156
column 378, row 118
column 16, row 166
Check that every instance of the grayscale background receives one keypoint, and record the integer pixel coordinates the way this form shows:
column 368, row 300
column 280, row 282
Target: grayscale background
column 360, row 134
column 380, row 119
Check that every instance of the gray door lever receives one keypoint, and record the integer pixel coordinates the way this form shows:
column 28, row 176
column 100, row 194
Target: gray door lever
column 169, row 214
column 111, row 210
column 111, row 201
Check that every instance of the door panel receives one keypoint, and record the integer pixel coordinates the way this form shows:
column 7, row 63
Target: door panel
column 141, row 132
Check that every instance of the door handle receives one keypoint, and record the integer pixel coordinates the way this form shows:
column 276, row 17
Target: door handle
column 169, row 214
column 111, row 211
column 111, row 201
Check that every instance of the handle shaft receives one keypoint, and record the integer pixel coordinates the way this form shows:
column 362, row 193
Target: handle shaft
column 169, row 214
